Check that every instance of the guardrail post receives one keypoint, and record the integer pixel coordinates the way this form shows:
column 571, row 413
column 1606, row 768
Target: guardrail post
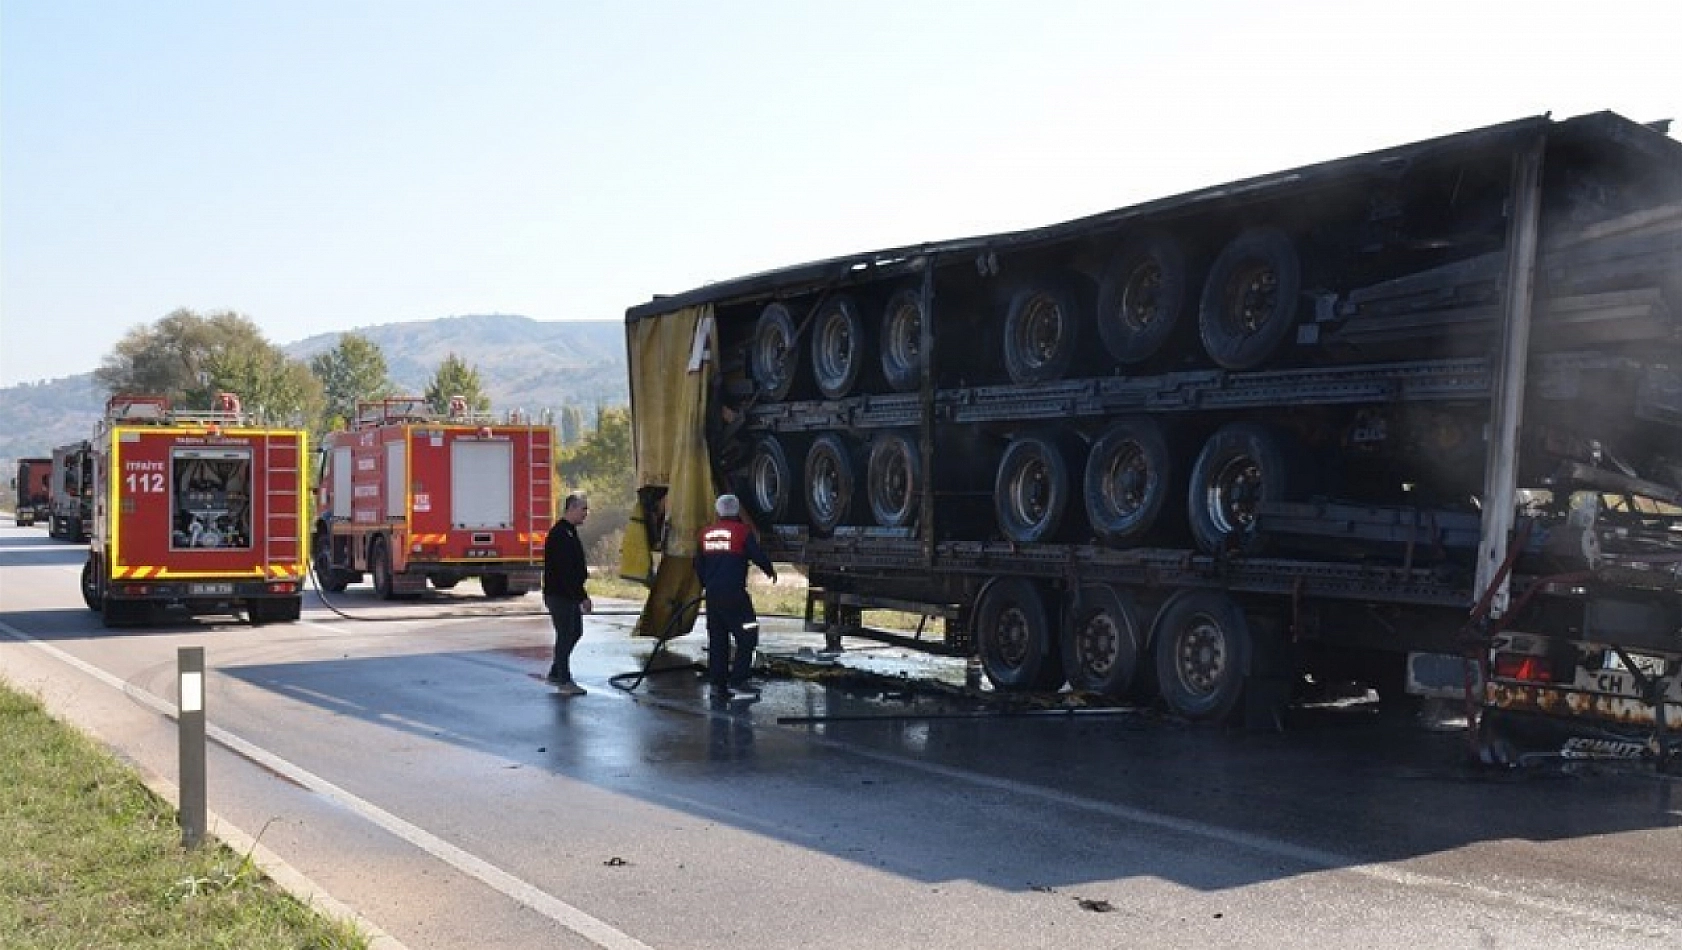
column 190, row 723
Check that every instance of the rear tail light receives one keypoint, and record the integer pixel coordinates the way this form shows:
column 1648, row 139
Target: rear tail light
column 282, row 587
column 1523, row 667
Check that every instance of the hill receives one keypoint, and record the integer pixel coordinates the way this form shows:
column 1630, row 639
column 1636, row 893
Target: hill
column 524, row 364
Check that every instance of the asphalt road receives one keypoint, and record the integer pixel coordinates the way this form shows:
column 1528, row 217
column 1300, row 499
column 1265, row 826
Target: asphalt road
column 408, row 762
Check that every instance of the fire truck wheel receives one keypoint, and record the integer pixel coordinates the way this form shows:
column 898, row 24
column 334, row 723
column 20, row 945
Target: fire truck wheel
column 495, row 585
column 1202, row 645
column 1141, row 297
column 445, row 583
column 838, row 346
column 93, row 585
column 1042, row 331
column 1103, row 647
column 1014, row 634
column 1249, row 303
column 902, row 340
column 379, row 565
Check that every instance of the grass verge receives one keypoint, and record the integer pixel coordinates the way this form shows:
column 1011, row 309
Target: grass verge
column 93, row 859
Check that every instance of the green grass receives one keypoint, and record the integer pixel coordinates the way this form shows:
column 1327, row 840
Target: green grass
column 91, row 858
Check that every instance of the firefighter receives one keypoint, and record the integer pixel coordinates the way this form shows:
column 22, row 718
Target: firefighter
column 721, row 561
column 564, row 574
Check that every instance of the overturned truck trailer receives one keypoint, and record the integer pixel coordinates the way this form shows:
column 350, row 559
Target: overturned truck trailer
column 1411, row 418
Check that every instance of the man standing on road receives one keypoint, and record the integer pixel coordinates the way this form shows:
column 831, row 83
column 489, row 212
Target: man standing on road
column 564, row 574
column 727, row 545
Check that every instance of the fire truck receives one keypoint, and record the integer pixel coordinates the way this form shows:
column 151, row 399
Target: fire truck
column 72, row 491
column 408, row 495
column 31, row 487
column 200, row 511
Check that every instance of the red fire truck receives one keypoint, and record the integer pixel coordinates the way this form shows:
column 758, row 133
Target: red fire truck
column 199, row 511
column 408, row 495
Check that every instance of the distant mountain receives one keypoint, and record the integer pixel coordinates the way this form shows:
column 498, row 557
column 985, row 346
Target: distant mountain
column 524, row 364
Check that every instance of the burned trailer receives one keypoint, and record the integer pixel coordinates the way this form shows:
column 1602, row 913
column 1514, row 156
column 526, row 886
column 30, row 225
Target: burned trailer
column 1406, row 417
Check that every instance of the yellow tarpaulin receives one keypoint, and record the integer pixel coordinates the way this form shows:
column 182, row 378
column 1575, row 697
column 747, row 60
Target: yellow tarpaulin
column 672, row 367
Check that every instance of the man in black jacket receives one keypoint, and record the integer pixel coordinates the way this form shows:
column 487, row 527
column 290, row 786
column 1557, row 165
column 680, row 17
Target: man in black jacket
column 564, row 574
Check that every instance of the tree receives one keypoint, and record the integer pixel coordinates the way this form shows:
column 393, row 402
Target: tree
column 602, row 465
column 350, row 373
column 455, row 378
column 572, row 424
column 190, row 358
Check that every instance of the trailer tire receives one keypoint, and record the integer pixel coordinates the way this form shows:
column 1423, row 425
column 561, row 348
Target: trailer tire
column 1141, row 298
column 1031, row 489
column 770, row 480
column 1203, row 646
column 1042, row 331
column 894, row 480
column 901, row 341
column 1250, row 298
column 1241, row 466
column 774, row 358
column 829, row 482
column 1104, row 645
column 1015, row 637
column 379, row 568
column 1130, row 480
column 838, row 346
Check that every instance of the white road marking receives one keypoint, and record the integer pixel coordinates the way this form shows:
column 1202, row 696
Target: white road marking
column 596, row 931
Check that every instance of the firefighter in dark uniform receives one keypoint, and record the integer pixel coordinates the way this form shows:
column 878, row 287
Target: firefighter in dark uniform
column 721, row 561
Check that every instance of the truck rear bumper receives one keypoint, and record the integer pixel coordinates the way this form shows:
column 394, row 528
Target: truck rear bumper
column 1514, row 738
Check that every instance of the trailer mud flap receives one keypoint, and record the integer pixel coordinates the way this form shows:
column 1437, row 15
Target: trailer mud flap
column 1516, row 739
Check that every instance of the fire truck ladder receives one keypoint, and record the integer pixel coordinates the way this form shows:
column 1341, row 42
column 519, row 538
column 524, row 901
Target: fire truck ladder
column 539, row 482
column 275, row 454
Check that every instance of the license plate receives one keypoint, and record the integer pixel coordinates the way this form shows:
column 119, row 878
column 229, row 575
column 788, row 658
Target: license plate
column 1647, row 665
column 200, row 590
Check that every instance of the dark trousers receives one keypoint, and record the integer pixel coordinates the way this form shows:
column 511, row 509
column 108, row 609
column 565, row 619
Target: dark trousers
column 732, row 621
column 568, row 618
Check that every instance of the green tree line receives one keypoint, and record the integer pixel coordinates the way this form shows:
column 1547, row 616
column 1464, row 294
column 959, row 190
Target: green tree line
column 190, row 358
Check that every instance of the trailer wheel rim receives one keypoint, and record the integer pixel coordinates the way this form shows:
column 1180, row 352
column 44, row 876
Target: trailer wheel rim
column 1098, row 644
column 905, row 337
column 772, row 355
column 1251, row 298
column 1037, row 335
column 834, row 351
column 1028, row 492
column 1125, row 481
column 1201, row 656
column 1141, row 295
column 1012, row 638
column 824, row 480
column 892, row 482
column 1233, row 494
column 769, row 483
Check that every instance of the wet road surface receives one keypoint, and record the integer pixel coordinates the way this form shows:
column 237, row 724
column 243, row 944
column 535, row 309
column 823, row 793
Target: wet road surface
column 418, row 769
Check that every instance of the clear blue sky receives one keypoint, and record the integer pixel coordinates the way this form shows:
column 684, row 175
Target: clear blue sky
column 320, row 165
